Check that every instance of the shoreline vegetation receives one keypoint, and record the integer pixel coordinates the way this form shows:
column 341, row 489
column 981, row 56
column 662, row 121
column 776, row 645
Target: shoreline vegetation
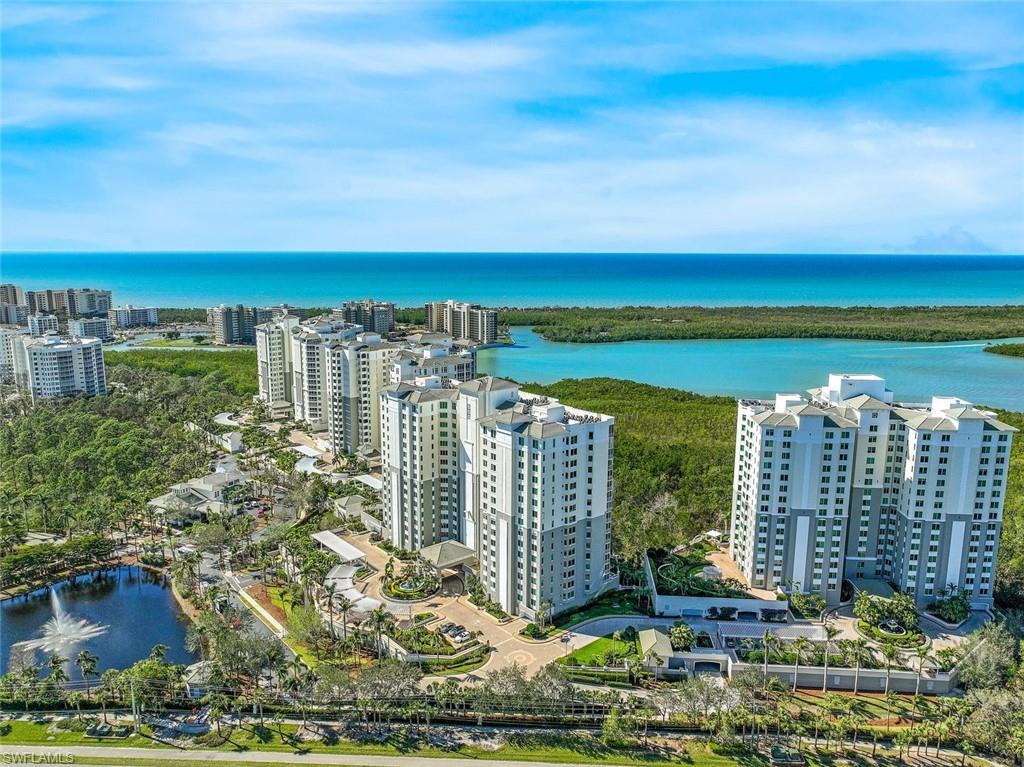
column 1007, row 350
column 661, row 323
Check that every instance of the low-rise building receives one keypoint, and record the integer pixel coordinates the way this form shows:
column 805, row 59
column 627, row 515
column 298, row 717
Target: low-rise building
column 94, row 327
column 133, row 316
column 41, row 324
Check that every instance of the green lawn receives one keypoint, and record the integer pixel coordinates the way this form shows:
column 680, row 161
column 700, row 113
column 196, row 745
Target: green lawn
column 593, row 653
column 574, row 748
column 867, row 705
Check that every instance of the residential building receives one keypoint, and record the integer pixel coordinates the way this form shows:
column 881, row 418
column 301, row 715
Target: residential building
column 463, row 320
column 522, row 481
column 51, row 366
column 374, row 316
column 358, row 371
column 133, row 316
column 69, row 302
column 10, row 344
column 286, row 310
column 236, row 324
column 419, row 457
column 433, row 357
column 848, row 484
column 274, row 359
column 12, row 294
column 41, row 324
column 309, row 359
column 91, row 327
column 13, row 314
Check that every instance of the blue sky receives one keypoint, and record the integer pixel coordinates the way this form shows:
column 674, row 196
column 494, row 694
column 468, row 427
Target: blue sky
column 484, row 126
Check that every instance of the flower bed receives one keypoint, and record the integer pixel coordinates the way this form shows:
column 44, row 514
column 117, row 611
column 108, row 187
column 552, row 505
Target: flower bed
column 908, row 640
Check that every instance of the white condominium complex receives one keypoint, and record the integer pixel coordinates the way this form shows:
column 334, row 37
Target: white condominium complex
column 70, row 302
column 358, row 372
column 236, row 324
column 374, row 316
column 533, row 491
column 41, row 324
column 419, row 457
column 309, row 360
column 462, row 320
column 91, row 327
column 432, row 354
column 52, row 366
column 10, row 344
column 133, row 316
column 848, row 484
column 274, row 359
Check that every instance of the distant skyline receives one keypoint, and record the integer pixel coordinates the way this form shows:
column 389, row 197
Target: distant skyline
column 630, row 127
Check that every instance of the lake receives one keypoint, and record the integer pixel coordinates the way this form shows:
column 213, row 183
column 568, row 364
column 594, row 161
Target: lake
column 136, row 607
column 762, row 367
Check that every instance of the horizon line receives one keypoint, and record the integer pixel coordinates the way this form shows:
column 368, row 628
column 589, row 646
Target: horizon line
column 519, row 252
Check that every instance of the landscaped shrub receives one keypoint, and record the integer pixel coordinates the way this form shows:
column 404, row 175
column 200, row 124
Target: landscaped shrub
column 954, row 608
column 532, row 630
column 876, row 610
column 806, row 605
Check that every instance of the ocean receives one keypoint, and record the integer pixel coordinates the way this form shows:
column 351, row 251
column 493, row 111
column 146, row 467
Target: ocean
column 511, row 279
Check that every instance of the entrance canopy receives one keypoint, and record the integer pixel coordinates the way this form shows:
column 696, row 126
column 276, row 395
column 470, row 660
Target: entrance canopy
column 447, row 555
column 343, row 549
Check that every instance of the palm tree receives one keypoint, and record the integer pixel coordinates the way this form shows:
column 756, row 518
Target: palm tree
column 653, row 659
column 831, row 632
column 859, row 650
column 890, row 652
column 800, row 646
column 922, row 655
column 330, row 589
column 616, row 640
column 56, row 666
column 344, row 606
column 767, row 640
column 380, row 621
column 891, row 698
column 86, row 663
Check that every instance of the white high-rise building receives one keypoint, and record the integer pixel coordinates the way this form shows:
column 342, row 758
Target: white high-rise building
column 274, row 359
column 91, row 327
column 10, row 344
column 309, row 358
column 359, row 371
column 521, row 480
column 51, row 366
column 133, row 316
column 433, row 357
column 419, row 456
column 847, row 484
column 374, row 316
column 41, row 324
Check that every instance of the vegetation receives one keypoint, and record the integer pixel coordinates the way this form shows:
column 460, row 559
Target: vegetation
column 953, row 606
column 1009, row 350
column 610, row 650
column 172, row 316
column 805, row 605
column 234, row 370
column 901, row 323
column 682, row 575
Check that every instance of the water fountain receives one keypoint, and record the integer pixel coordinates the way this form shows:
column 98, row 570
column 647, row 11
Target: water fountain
column 62, row 632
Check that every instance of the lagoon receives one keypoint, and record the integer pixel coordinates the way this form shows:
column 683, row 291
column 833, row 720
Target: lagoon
column 134, row 609
column 762, row 367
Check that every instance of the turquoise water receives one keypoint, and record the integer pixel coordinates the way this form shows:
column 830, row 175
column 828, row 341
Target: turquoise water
column 325, row 279
column 762, row 367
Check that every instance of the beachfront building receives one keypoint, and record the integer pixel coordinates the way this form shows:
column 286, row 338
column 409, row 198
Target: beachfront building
column 374, row 316
column 463, row 320
column 309, row 359
column 51, row 366
column 419, row 458
column 69, row 302
column 523, row 482
column 274, row 360
column 10, row 343
column 91, row 327
column 133, row 316
column 847, row 484
column 236, row 324
column 41, row 324
column 12, row 294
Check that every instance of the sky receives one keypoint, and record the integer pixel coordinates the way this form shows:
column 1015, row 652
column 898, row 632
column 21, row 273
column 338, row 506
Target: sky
column 667, row 127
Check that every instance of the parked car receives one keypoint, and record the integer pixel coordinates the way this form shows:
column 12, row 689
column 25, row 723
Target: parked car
column 443, row 628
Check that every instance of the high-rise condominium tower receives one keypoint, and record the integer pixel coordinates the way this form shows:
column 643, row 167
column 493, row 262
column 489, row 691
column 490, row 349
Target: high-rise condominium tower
column 848, row 484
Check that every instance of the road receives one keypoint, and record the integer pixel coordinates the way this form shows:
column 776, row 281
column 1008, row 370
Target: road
column 117, row 754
